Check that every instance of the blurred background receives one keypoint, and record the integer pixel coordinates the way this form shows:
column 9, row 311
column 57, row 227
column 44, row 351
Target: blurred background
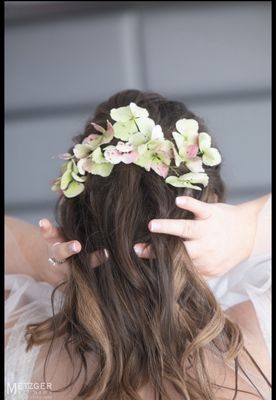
column 62, row 58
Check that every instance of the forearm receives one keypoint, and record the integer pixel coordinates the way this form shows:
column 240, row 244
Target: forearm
column 259, row 210
column 26, row 251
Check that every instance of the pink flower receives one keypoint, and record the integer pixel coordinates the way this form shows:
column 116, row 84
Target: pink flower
column 122, row 152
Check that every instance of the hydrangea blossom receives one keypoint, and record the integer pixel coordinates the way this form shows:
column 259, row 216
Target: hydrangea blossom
column 70, row 182
column 143, row 143
column 186, row 139
column 210, row 155
column 129, row 120
column 94, row 140
column 122, row 152
column 154, row 151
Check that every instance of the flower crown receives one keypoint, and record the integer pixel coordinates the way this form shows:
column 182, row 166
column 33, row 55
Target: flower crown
column 141, row 142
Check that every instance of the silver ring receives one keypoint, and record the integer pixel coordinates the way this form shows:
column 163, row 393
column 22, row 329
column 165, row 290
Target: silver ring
column 53, row 261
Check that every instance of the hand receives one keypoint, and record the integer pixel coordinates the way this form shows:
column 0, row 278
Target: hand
column 220, row 236
column 60, row 250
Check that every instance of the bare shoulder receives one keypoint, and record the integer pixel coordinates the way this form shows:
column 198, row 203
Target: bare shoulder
column 245, row 316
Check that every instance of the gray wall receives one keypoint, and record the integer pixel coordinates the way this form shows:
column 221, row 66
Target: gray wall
column 214, row 56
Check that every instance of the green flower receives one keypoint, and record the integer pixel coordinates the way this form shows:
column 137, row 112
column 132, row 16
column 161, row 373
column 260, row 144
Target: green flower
column 70, row 182
column 95, row 164
column 130, row 120
column 188, row 180
column 91, row 142
column 154, row 151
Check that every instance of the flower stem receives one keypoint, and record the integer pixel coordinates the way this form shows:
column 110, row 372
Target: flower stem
column 174, row 170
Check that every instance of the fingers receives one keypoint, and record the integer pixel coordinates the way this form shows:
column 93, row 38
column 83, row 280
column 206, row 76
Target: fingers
column 186, row 229
column 143, row 250
column 62, row 251
column 98, row 257
column 49, row 231
column 200, row 209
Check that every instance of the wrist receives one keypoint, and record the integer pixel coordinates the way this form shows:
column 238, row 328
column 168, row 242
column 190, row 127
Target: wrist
column 249, row 215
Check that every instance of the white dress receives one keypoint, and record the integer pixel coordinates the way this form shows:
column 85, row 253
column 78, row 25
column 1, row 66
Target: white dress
column 29, row 301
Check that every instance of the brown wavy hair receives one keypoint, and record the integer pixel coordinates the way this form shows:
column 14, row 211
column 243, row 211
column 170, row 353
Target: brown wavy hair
column 145, row 320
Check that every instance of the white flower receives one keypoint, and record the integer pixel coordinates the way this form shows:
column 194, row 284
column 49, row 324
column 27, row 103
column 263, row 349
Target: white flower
column 187, row 132
column 130, row 120
column 210, row 155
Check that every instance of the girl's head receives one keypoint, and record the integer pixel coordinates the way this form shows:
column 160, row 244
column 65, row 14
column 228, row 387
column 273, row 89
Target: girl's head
column 145, row 320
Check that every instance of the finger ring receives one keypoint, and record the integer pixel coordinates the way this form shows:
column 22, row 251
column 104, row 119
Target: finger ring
column 53, row 261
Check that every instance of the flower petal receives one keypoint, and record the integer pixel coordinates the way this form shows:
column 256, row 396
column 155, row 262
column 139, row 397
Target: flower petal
column 87, row 165
column 195, row 164
column 177, row 159
column 80, row 165
column 145, row 159
column 65, row 156
column 103, row 169
column 74, row 189
column 65, row 180
column 192, row 177
column 188, row 129
column 92, row 140
column 145, row 125
column 191, row 150
column 69, row 165
column 109, row 133
column 178, row 182
column 138, row 112
column 188, row 180
column 124, row 130
column 138, row 139
column 121, row 114
column 82, row 150
column 204, row 141
column 78, row 178
column 179, row 140
column 142, row 149
column 112, row 155
column 211, row 157
column 124, row 147
column 157, row 133
column 128, row 158
column 97, row 156
column 98, row 128
column 160, row 168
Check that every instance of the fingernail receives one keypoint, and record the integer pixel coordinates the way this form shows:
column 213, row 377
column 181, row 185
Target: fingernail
column 137, row 249
column 106, row 253
column 180, row 201
column 40, row 223
column 153, row 226
column 75, row 247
